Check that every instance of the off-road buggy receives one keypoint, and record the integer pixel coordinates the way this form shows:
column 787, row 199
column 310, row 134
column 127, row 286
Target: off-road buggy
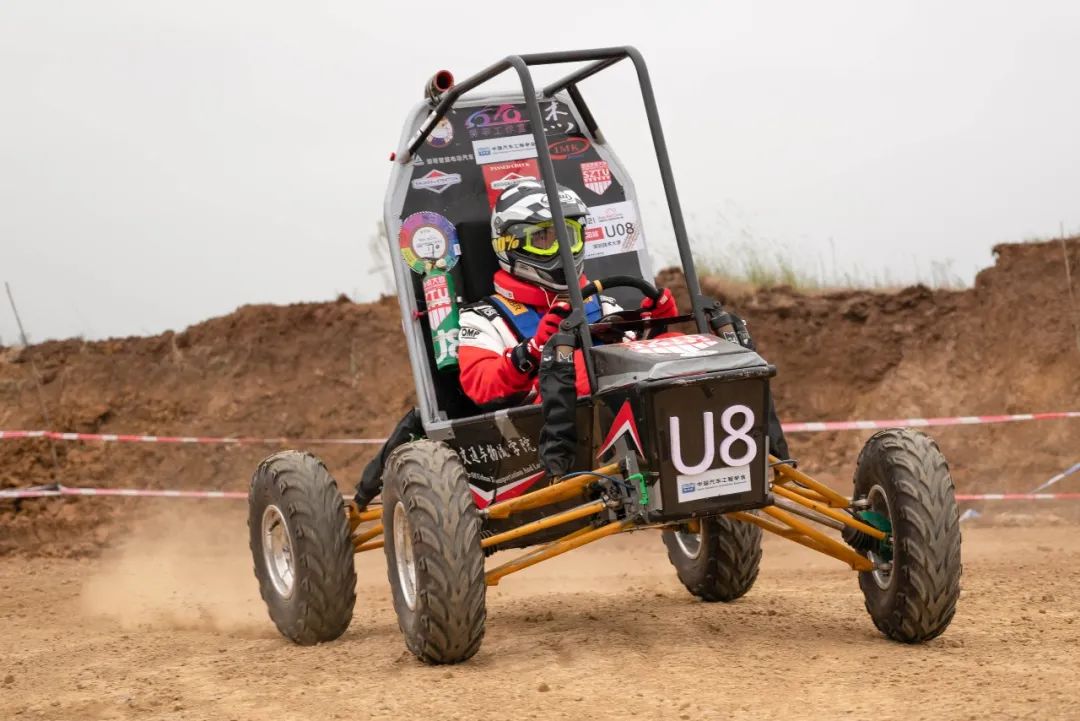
column 678, row 433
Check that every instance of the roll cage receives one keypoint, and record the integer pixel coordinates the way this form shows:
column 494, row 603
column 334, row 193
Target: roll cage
column 598, row 59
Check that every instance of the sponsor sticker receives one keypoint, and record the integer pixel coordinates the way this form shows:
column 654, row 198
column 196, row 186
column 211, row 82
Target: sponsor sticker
column 418, row 160
column 496, row 121
column 493, row 121
column 442, row 134
column 500, row 176
column 436, row 181
column 572, row 147
column 611, row 229
column 437, row 299
column 596, row 176
column 684, row 346
column 712, row 483
column 428, row 240
column 557, row 119
column 496, row 150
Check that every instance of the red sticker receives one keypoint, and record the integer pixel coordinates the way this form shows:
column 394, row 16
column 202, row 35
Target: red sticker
column 437, row 299
column 564, row 148
column 500, row 176
column 596, row 176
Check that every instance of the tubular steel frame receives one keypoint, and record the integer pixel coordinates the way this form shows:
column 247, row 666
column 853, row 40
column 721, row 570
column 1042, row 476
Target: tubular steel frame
column 790, row 484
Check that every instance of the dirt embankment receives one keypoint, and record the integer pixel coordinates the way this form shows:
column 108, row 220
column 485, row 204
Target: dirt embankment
column 340, row 369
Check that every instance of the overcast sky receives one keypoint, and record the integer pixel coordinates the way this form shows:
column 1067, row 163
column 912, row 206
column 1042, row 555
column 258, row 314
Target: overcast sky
column 164, row 162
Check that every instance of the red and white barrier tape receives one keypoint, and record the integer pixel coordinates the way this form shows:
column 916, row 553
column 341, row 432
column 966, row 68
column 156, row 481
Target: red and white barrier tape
column 1018, row 496
column 800, row 427
column 128, row 438
column 58, row 490
column 49, row 491
column 924, row 422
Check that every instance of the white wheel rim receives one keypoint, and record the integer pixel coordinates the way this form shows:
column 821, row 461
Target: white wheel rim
column 278, row 552
column 689, row 543
column 403, row 556
column 882, row 573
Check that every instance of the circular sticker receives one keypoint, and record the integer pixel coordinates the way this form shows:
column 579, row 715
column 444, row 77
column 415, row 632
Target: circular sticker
column 442, row 134
column 428, row 240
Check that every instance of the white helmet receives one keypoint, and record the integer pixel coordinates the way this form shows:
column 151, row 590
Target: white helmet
column 523, row 235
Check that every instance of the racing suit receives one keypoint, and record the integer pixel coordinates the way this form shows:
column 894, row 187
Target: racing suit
column 494, row 370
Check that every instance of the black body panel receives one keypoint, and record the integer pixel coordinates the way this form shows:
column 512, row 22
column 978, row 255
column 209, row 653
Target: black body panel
column 746, row 437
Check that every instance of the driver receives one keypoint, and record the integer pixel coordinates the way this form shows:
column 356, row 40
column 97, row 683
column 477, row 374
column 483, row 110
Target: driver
column 501, row 337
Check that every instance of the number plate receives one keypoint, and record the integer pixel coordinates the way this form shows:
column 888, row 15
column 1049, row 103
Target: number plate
column 713, row 449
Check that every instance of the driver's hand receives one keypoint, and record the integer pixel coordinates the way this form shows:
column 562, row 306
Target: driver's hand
column 526, row 355
column 662, row 307
column 549, row 325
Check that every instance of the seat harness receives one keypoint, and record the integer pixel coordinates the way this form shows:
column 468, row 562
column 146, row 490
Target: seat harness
column 524, row 319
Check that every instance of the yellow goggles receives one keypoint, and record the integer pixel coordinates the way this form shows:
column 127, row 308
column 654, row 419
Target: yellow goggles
column 540, row 238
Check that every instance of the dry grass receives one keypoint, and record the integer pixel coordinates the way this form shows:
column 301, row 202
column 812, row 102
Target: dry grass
column 764, row 265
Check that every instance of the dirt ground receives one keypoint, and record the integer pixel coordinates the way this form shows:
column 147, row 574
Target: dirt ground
column 169, row 626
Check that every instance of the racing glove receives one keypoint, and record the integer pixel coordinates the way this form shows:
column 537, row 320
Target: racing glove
column 662, row 307
column 525, row 356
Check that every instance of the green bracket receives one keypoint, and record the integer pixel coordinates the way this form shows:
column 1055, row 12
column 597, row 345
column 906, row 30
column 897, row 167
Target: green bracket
column 643, row 489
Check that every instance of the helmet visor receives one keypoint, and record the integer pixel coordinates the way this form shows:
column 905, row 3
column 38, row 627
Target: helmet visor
column 541, row 239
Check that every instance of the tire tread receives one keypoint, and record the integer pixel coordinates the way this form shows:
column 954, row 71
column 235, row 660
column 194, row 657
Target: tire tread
column 926, row 525
column 325, row 575
column 451, row 598
column 728, row 563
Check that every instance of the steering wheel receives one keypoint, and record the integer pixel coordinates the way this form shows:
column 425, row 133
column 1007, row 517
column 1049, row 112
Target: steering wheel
column 620, row 281
column 613, row 327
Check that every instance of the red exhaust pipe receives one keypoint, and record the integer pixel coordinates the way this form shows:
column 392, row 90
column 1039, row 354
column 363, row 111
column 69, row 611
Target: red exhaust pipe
column 440, row 82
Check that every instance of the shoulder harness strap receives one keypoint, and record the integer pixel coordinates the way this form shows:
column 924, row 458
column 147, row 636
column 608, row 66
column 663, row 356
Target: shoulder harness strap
column 524, row 319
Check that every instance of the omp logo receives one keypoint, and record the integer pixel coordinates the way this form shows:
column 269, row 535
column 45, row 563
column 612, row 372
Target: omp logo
column 731, row 435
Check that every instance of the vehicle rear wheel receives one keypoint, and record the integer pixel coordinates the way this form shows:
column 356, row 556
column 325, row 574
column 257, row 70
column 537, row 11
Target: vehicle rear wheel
column 300, row 544
column 912, row 595
column 720, row 561
column 433, row 555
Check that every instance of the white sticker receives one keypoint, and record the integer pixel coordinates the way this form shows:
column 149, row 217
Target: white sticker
column 513, row 147
column 715, row 482
column 612, row 228
column 436, row 181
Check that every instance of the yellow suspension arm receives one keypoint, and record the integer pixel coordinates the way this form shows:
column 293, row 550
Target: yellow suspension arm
column 831, row 497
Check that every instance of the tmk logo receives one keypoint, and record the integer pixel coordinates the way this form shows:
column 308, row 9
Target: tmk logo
column 731, row 435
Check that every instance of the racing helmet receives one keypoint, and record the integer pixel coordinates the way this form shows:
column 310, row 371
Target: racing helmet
column 523, row 234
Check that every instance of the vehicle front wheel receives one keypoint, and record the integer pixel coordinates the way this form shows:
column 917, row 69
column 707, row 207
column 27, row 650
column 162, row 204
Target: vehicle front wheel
column 434, row 560
column 719, row 561
column 903, row 477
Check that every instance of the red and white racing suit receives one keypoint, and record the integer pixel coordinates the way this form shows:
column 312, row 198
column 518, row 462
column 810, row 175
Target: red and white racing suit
column 492, row 328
